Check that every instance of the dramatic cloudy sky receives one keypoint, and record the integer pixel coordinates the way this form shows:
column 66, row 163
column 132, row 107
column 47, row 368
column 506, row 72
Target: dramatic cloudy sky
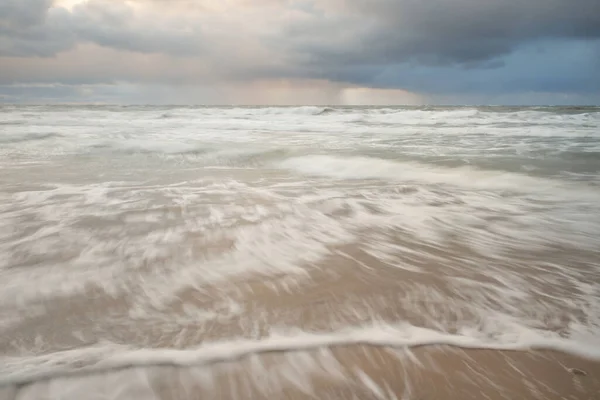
column 301, row 51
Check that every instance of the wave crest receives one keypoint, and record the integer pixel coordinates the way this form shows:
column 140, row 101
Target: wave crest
column 359, row 167
column 30, row 137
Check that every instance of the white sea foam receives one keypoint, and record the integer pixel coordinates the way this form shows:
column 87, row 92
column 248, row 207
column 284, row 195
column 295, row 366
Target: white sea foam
column 150, row 146
column 305, row 110
column 8, row 139
column 411, row 172
column 495, row 206
column 111, row 356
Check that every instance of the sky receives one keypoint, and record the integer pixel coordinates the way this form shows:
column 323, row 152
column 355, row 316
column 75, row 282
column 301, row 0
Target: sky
column 292, row 52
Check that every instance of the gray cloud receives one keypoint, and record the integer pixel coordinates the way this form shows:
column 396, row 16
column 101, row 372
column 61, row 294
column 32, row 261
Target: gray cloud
column 115, row 25
column 329, row 32
column 21, row 14
column 436, row 32
column 376, row 43
column 32, row 28
column 35, row 28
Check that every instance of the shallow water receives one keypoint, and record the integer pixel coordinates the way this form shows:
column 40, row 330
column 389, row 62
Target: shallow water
column 146, row 235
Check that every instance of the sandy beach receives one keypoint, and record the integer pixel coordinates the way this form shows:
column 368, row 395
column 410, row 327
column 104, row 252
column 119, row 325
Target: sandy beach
column 301, row 252
column 343, row 372
column 345, row 294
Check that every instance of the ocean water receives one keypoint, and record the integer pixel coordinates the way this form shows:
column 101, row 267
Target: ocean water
column 196, row 236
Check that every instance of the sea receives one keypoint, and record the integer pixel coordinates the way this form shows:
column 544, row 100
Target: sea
column 299, row 252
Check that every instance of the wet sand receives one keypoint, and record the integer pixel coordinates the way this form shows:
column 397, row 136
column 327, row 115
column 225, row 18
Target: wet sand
column 354, row 290
column 342, row 372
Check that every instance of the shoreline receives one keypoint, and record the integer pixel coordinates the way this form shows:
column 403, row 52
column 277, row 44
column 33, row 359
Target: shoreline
column 104, row 359
column 427, row 372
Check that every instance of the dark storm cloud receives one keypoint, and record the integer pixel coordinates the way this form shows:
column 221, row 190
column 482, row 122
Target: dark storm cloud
column 454, row 46
column 352, row 31
column 535, row 67
column 438, row 31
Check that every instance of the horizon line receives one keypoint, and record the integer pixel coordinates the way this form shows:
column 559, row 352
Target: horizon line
column 292, row 105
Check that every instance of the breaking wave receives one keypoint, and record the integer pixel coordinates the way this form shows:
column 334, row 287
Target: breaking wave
column 359, row 167
column 29, row 137
column 131, row 146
